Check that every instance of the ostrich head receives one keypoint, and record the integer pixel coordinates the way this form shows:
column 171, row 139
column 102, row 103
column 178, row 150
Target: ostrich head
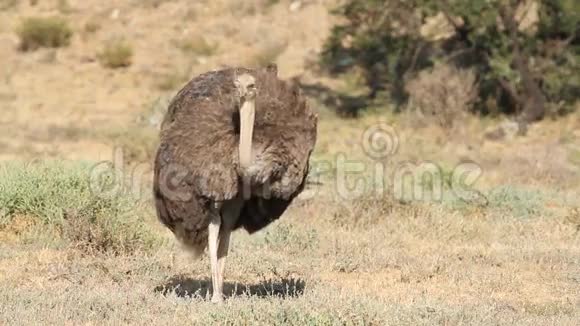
column 246, row 88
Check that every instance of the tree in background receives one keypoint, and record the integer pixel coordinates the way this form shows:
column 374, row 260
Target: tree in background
column 525, row 54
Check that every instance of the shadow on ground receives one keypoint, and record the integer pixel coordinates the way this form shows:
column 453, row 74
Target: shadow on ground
column 184, row 286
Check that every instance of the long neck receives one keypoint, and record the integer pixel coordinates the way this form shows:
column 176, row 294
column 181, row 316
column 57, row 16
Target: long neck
column 247, row 115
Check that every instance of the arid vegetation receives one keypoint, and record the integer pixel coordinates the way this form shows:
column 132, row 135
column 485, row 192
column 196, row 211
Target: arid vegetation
column 36, row 32
column 116, row 54
column 79, row 241
column 55, row 201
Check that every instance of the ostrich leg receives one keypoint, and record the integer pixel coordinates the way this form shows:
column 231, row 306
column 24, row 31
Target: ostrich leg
column 213, row 238
column 230, row 214
column 224, row 243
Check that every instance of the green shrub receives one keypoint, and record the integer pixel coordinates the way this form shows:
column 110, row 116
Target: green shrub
column 59, row 198
column 37, row 32
column 116, row 54
column 520, row 202
column 524, row 53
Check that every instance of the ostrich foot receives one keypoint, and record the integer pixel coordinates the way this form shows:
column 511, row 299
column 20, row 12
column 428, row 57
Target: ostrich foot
column 217, row 298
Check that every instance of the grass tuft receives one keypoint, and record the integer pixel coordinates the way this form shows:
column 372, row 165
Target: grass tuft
column 116, row 54
column 92, row 27
column 8, row 4
column 197, row 45
column 287, row 236
column 522, row 203
column 37, row 32
column 363, row 213
column 57, row 197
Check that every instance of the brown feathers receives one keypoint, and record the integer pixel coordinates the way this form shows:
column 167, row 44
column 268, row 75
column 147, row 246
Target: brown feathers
column 197, row 161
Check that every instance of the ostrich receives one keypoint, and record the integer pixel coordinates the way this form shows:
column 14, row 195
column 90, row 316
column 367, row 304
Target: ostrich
column 234, row 151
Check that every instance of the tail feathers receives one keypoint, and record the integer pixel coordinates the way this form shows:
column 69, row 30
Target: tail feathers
column 162, row 213
column 193, row 242
column 196, row 250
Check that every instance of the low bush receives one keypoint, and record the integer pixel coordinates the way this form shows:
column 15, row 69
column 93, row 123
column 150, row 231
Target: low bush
column 116, row 54
column 37, row 32
column 523, row 53
column 448, row 101
column 58, row 197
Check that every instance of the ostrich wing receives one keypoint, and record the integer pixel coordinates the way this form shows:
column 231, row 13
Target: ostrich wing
column 284, row 138
column 199, row 135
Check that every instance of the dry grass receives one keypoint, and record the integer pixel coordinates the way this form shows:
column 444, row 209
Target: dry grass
column 417, row 264
column 67, row 257
column 173, row 80
column 116, row 54
column 197, row 45
column 137, row 142
column 68, row 204
column 154, row 4
column 266, row 53
column 8, row 4
column 37, row 32
column 64, row 7
column 92, row 27
column 446, row 93
column 373, row 260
